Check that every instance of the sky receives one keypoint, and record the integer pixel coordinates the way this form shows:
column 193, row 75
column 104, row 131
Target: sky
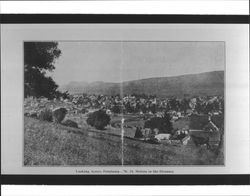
column 126, row 61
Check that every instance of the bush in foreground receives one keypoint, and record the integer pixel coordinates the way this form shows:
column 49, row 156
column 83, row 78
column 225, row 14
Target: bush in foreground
column 59, row 114
column 70, row 123
column 45, row 115
column 98, row 119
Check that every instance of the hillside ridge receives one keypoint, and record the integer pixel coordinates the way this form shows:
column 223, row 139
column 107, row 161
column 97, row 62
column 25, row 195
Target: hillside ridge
column 201, row 84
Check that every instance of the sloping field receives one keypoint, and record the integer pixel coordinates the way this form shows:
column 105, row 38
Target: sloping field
column 48, row 144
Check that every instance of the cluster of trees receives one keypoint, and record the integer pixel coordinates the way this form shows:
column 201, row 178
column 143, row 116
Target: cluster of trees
column 178, row 105
column 59, row 94
column 205, row 108
column 202, row 107
column 39, row 60
column 117, row 109
column 173, row 104
column 163, row 124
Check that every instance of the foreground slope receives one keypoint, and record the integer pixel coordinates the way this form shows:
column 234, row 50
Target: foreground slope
column 52, row 144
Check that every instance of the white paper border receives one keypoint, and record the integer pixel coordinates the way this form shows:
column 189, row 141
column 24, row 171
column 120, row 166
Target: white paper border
column 217, row 7
column 17, row 190
column 237, row 85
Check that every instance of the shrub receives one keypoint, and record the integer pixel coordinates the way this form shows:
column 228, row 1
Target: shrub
column 70, row 123
column 33, row 115
column 98, row 119
column 45, row 115
column 138, row 133
column 59, row 114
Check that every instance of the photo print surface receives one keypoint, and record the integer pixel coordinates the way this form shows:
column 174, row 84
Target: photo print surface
column 124, row 103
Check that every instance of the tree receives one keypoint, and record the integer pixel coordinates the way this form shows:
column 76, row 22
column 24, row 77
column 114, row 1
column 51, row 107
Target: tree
column 168, row 123
column 184, row 105
column 152, row 108
column 164, row 124
column 128, row 108
column 199, row 106
column 174, row 104
column 39, row 59
column 64, row 95
column 138, row 133
column 208, row 108
column 98, row 119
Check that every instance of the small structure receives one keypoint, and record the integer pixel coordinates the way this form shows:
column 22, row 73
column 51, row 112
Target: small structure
column 174, row 142
column 174, row 118
column 156, row 131
column 179, row 115
column 162, row 136
column 108, row 112
column 189, row 112
column 147, row 133
column 185, row 140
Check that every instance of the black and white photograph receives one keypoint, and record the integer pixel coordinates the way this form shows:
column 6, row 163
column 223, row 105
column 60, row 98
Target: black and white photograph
column 123, row 103
column 124, row 99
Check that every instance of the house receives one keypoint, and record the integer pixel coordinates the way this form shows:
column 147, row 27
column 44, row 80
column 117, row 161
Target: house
column 180, row 134
column 147, row 133
column 179, row 115
column 162, row 136
column 211, row 127
column 189, row 112
column 174, row 118
column 159, row 114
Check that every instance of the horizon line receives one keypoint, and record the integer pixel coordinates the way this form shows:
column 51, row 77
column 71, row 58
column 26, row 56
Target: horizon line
column 141, row 78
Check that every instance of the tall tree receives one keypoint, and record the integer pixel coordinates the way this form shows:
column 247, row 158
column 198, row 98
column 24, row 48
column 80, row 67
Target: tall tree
column 184, row 105
column 39, row 59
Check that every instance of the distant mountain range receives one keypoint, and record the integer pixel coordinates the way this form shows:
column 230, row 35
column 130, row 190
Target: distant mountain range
column 208, row 83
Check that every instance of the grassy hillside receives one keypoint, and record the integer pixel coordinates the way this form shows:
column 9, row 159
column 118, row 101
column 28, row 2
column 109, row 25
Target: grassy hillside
column 209, row 83
column 51, row 144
